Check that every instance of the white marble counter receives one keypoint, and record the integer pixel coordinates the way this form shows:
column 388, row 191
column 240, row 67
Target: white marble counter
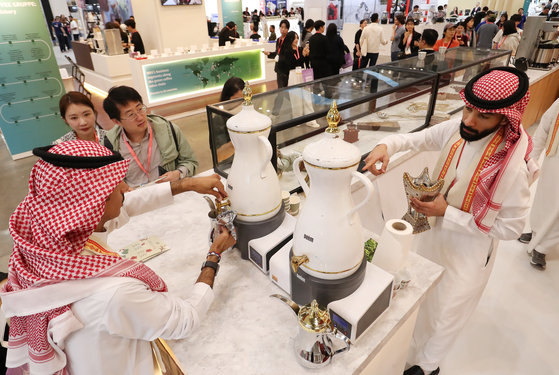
column 536, row 75
column 245, row 331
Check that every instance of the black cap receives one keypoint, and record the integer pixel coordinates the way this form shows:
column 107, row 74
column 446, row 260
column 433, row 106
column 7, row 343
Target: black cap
column 523, row 86
column 79, row 162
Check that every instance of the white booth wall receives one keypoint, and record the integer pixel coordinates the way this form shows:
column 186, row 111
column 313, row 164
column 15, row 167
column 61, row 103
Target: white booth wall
column 211, row 8
column 59, row 7
column 171, row 26
column 315, row 9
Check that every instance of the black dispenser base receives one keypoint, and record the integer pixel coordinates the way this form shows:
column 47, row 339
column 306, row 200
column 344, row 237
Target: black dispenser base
column 305, row 288
column 249, row 231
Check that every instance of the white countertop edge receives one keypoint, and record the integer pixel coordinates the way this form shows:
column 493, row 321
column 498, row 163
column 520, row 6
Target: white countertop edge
column 537, row 75
column 207, row 53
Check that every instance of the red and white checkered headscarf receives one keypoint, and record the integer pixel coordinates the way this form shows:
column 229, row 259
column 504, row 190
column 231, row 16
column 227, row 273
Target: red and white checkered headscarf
column 50, row 228
column 501, row 90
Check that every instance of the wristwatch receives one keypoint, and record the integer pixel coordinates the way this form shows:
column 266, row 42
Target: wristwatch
column 213, row 265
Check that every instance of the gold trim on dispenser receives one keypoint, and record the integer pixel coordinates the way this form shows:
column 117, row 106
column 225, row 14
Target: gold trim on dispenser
column 331, row 168
column 332, row 273
column 249, row 132
column 267, row 212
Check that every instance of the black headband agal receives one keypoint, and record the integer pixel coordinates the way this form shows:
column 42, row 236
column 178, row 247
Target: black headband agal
column 80, row 162
column 523, row 85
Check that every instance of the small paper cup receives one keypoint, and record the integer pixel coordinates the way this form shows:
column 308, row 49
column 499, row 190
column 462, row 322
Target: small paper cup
column 294, row 202
column 397, row 284
column 406, row 278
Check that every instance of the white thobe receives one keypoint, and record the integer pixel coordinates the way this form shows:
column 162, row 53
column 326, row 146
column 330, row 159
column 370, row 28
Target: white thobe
column 120, row 315
column 456, row 243
column 120, row 322
column 544, row 217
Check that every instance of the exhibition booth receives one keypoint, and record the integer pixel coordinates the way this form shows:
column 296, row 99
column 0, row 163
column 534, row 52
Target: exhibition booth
column 185, row 72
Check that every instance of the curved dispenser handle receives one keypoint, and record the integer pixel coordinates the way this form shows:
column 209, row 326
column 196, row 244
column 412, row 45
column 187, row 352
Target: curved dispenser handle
column 337, row 334
column 368, row 186
column 299, row 176
column 268, row 157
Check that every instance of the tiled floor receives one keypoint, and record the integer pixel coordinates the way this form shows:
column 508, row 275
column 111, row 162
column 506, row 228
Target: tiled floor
column 514, row 330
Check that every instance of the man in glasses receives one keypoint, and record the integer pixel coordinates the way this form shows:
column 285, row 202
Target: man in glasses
column 158, row 149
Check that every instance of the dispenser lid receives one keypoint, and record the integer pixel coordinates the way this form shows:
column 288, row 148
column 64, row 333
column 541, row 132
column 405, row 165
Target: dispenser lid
column 248, row 120
column 314, row 318
column 332, row 151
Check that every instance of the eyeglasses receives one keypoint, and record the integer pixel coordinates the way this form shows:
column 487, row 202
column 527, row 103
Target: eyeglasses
column 132, row 115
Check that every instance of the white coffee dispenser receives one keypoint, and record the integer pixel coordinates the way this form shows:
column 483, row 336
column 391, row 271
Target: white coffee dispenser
column 252, row 185
column 328, row 256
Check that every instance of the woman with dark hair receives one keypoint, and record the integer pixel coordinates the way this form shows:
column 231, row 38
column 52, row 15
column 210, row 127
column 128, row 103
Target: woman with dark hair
column 79, row 113
column 554, row 10
column 510, row 39
column 504, row 18
column 409, row 44
column 470, row 31
column 454, row 12
column 398, row 31
column 292, row 55
column 307, row 32
column 291, row 58
column 232, row 89
column 460, row 34
column 337, row 49
column 219, row 136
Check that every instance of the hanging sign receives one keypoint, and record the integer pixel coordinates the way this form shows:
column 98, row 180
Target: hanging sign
column 232, row 11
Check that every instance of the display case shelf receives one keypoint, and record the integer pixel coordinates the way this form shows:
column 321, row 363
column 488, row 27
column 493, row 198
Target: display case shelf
column 412, row 94
column 360, row 95
column 454, row 69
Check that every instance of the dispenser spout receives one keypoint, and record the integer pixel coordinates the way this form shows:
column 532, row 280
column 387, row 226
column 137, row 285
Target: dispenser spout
column 222, row 205
column 297, row 260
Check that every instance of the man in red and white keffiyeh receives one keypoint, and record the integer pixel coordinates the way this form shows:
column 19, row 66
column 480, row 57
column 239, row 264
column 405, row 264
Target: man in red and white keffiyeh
column 58, row 265
column 485, row 165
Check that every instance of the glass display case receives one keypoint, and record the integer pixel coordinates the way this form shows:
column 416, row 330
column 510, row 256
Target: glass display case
column 454, row 69
column 373, row 101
